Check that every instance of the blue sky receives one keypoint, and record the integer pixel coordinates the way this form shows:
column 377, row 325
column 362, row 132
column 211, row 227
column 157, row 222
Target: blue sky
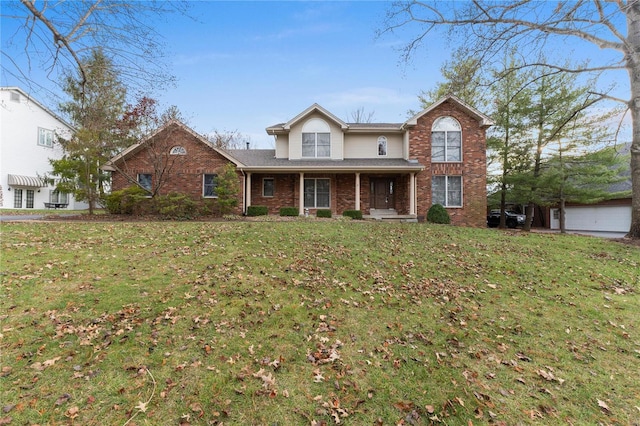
column 248, row 65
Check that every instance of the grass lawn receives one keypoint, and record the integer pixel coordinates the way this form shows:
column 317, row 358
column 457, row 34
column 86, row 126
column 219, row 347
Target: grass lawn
column 315, row 323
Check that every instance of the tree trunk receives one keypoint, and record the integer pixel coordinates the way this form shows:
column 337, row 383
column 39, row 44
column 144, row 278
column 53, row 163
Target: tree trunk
column 633, row 67
column 563, row 229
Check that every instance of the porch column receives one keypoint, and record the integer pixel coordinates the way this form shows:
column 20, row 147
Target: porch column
column 412, row 193
column 301, row 195
column 248, row 189
column 357, row 206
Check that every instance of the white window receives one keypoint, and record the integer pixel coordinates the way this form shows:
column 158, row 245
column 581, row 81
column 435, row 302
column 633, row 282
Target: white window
column 210, row 184
column 144, row 180
column 382, row 146
column 15, row 96
column 178, row 150
column 446, row 190
column 446, row 140
column 45, row 137
column 58, row 197
column 316, row 139
column 30, row 196
column 268, row 187
column 17, row 198
column 317, row 193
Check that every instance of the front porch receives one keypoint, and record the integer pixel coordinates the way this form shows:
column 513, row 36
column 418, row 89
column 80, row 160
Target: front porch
column 379, row 196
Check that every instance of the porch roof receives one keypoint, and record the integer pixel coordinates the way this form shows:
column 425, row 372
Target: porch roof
column 264, row 160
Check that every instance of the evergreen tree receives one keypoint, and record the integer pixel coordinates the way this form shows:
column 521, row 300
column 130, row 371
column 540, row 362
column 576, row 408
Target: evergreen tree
column 95, row 109
column 227, row 189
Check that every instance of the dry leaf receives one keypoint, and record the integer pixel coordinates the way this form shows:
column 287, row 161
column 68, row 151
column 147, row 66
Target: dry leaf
column 142, row 406
column 604, row 406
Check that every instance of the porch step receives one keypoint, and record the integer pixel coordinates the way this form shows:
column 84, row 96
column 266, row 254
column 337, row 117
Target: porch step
column 390, row 215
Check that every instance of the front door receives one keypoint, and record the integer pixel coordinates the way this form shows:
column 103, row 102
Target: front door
column 382, row 193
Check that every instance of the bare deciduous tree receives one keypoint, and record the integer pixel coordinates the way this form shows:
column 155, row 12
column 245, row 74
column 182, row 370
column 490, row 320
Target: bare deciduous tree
column 488, row 27
column 360, row 116
column 228, row 139
column 57, row 35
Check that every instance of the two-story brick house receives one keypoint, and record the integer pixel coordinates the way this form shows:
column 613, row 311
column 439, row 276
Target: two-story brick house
column 386, row 170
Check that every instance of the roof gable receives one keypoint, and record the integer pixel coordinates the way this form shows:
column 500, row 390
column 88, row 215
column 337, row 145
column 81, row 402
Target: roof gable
column 313, row 108
column 485, row 121
column 38, row 104
column 133, row 149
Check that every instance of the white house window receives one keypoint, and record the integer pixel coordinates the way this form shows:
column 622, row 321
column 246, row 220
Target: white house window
column 58, row 197
column 317, row 193
column 144, row 180
column 446, row 140
column 382, row 146
column 17, row 198
column 30, row 196
column 446, row 190
column 210, row 185
column 45, row 137
column 15, row 96
column 316, row 139
column 178, row 150
column 268, row 187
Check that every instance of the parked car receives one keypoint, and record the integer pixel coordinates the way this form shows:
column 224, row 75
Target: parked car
column 512, row 219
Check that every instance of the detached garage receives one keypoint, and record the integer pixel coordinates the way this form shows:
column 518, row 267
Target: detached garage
column 608, row 216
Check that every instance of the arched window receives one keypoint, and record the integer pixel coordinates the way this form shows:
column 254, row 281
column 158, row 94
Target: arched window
column 316, row 139
column 446, row 140
column 178, row 150
column 382, row 146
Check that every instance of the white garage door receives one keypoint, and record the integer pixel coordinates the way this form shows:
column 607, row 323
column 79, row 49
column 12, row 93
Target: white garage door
column 596, row 218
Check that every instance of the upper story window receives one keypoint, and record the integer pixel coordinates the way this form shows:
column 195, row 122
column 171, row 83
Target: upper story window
column 446, row 140
column 178, row 150
column 316, row 139
column 15, row 96
column 45, row 137
column 382, row 146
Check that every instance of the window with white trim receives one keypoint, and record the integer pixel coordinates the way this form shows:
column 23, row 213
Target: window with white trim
column 446, row 140
column 178, row 150
column 45, row 137
column 30, row 197
column 316, row 139
column 446, row 190
column 17, row 198
column 317, row 193
column 56, row 196
column 209, row 186
column 268, row 187
column 144, row 180
column 382, row 146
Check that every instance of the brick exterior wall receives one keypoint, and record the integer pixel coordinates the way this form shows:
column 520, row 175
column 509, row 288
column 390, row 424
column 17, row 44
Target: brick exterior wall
column 186, row 173
column 473, row 167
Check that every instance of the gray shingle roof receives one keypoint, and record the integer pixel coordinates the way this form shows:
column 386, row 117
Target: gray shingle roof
column 264, row 159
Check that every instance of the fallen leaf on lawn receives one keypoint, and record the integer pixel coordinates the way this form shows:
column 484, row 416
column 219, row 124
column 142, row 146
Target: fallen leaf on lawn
column 604, row 406
column 5, row 420
column 72, row 412
column 142, row 406
column 63, row 398
column 429, row 409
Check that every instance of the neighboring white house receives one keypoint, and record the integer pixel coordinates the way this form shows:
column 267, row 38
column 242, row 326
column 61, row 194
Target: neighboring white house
column 27, row 141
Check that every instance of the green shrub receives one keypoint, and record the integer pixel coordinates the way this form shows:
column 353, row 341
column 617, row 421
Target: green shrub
column 323, row 213
column 438, row 214
column 353, row 214
column 289, row 211
column 175, row 206
column 227, row 189
column 126, row 200
column 257, row 211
